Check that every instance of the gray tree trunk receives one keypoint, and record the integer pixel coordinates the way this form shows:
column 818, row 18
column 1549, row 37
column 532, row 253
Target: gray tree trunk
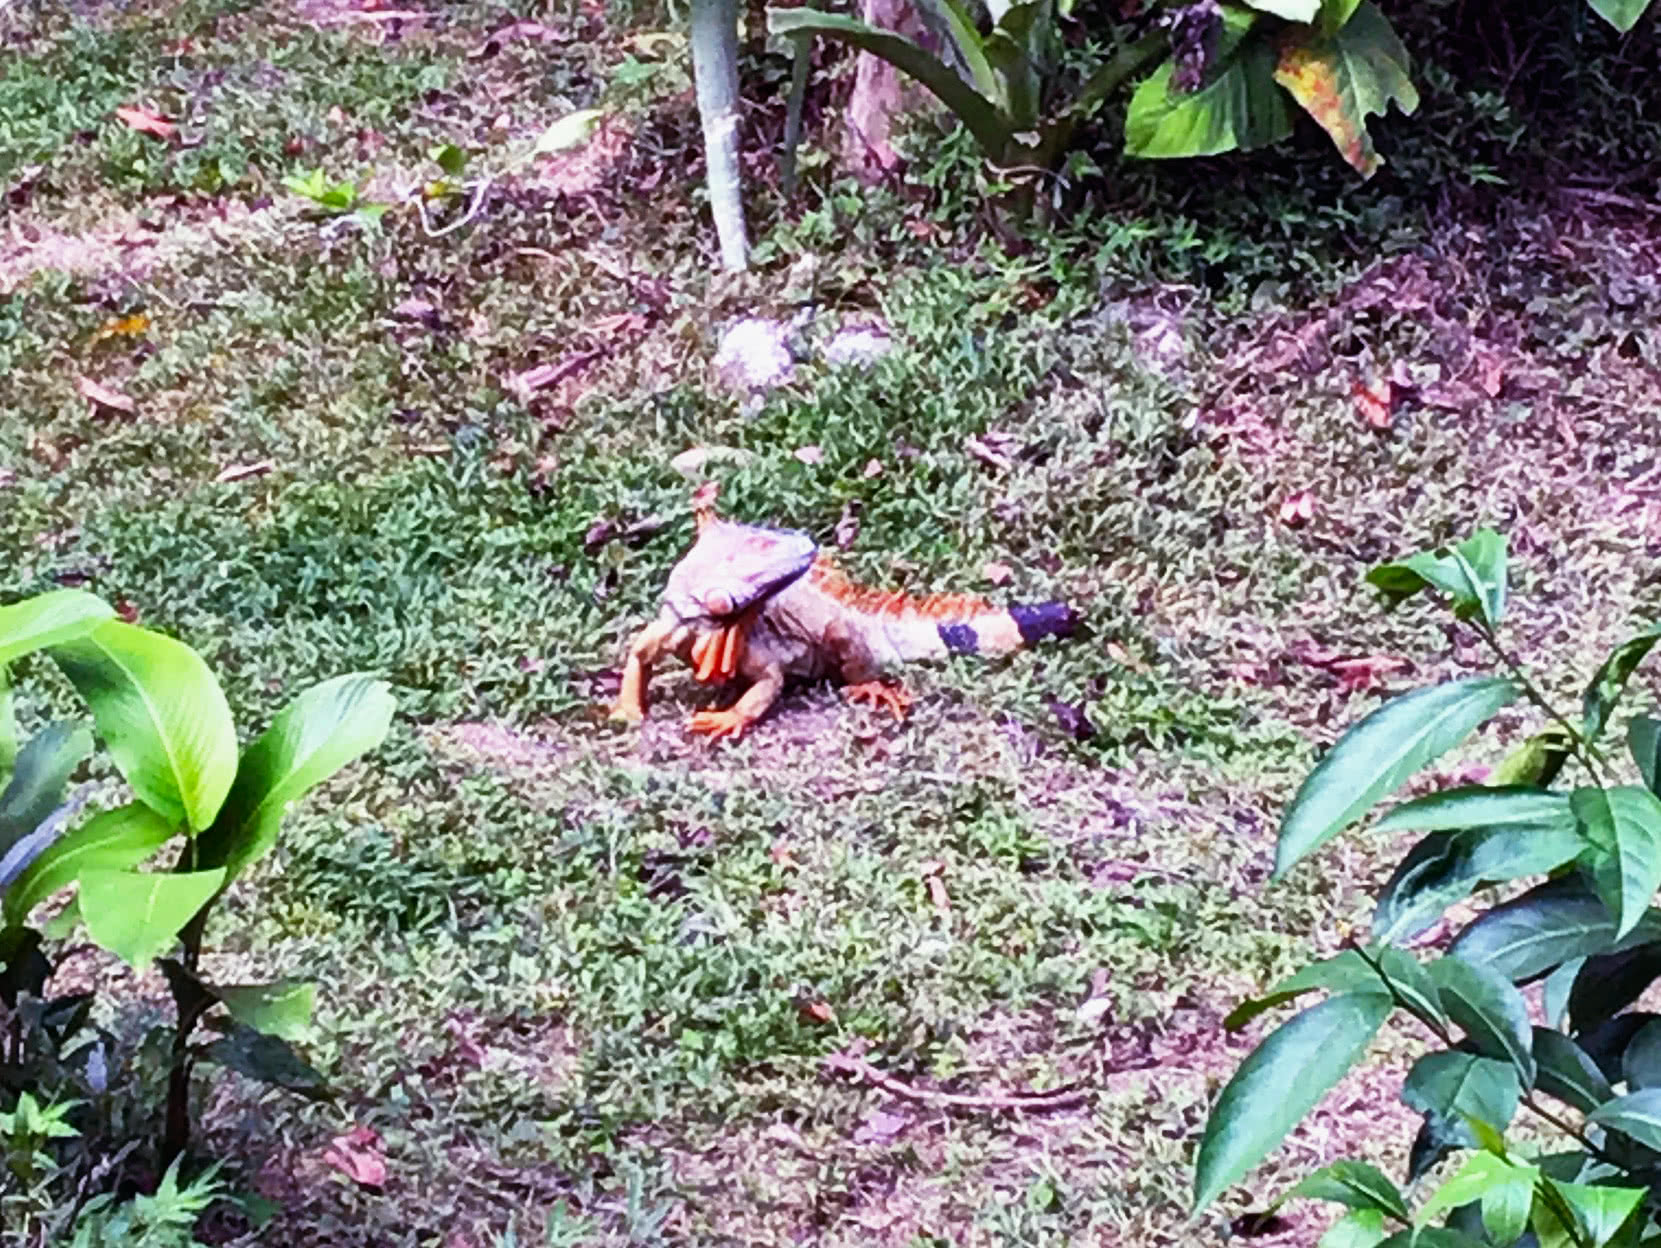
column 715, row 69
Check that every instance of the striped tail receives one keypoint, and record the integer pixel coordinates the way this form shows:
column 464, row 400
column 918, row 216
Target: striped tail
column 904, row 628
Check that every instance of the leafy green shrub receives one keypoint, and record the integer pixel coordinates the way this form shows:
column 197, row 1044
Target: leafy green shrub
column 1592, row 1074
column 167, row 730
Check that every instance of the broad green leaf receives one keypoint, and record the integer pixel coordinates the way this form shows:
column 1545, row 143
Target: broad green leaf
column 968, row 45
column 1490, row 1010
column 1342, row 78
column 1641, row 1062
column 1359, row 1228
column 1380, row 753
column 1493, row 1182
column 1017, row 53
column 279, row 1009
column 1453, row 1086
column 114, row 840
column 1605, row 985
column 268, row 1059
column 1432, row 1237
column 1479, row 806
column 1623, row 15
column 1413, row 984
column 1637, row 1114
column 1557, row 990
column 1334, row 13
column 450, row 158
column 162, row 715
column 1604, row 690
column 38, row 779
column 1600, row 1211
column 1566, row 1071
column 1238, row 105
column 1557, row 921
column 991, row 128
column 1447, row 867
column 8, row 728
column 138, row 916
column 1472, row 574
column 1352, row 1183
column 1280, row 1082
column 1643, row 736
column 1291, row 10
column 1623, row 828
column 1345, row 972
column 49, row 620
column 311, row 738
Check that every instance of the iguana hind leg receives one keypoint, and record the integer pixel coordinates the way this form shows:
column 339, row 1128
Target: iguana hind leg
column 648, row 647
column 736, row 719
column 879, row 693
column 861, row 675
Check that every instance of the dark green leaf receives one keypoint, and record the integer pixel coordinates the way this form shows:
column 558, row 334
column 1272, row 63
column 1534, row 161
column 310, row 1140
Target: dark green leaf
column 1472, row 574
column 1567, row 1072
column 1347, row 972
column 268, row 1059
column 1608, row 983
column 1412, row 983
column 162, row 715
column 1637, row 1114
column 1643, row 735
column 1606, row 1042
column 1448, row 1087
column 279, row 1009
column 311, row 738
column 1352, row 1183
column 1558, row 989
column 1609, row 681
column 1280, row 1082
column 1557, row 921
column 42, row 770
column 1447, row 866
column 1489, row 1009
column 1641, row 1063
column 114, row 840
column 450, row 158
column 1623, row 829
column 1380, row 753
column 138, row 916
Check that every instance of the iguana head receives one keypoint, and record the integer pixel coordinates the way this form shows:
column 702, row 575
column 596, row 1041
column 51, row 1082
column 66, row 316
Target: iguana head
column 731, row 567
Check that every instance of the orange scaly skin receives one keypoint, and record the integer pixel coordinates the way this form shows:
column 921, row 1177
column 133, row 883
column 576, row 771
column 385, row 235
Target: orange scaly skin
column 770, row 616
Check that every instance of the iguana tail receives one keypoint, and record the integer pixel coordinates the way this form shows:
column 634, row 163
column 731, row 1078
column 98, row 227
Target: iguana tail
column 933, row 626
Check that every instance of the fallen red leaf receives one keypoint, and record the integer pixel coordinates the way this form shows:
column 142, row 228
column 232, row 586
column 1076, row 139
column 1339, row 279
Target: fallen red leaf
column 146, row 122
column 103, row 396
column 818, row 1012
column 1297, row 509
column 1375, row 401
column 358, row 1156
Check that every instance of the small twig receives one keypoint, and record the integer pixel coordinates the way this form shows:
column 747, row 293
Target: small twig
column 1036, row 1102
column 1610, row 200
column 472, row 210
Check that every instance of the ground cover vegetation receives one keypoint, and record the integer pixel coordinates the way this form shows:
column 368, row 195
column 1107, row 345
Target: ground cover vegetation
column 346, row 349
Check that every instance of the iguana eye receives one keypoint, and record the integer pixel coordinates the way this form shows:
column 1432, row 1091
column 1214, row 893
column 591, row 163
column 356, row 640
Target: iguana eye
column 717, row 602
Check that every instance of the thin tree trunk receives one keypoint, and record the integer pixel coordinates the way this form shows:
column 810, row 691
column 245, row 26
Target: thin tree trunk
column 715, row 67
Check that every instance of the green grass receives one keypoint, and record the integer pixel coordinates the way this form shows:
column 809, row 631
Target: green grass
column 584, row 978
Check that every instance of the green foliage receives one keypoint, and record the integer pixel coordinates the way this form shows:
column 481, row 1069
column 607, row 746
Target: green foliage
column 1590, row 928
column 167, row 729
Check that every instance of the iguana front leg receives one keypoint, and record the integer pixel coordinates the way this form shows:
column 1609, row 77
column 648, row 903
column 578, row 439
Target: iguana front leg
column 736, row 719
column 648, row 647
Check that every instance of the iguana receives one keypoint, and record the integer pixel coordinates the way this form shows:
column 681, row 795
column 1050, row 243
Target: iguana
column 766, row 605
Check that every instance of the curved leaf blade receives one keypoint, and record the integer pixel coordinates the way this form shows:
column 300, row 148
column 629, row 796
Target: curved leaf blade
column 1643, row 737
column 1237, row 107
column 1479, row 806
column 1343, row 77
column 1558, row 921
column 49, row 619
column 1280, row 1082
column 38, row 780
column 313, row 737
column 136, row 915
column 281, row 1009
column 162, row 715
column 1623, row 15
column 1566, row 1071
column 1379, row 754
column 115, row 840
column 1623, row 829
column 1449, row 1087
column 1604, row 985
column 1354, row 1184
column 1604, row 690
column 1490, row 1010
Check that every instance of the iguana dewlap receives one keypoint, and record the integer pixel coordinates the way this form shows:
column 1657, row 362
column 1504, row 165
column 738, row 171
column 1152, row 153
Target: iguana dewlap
column 765, row 605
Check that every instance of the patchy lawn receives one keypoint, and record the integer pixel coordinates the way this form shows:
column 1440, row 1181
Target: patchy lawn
column 584, row 982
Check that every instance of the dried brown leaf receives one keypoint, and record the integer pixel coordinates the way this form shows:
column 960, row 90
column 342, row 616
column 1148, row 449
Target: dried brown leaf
column 146, row 122
column 358, row 1156
column 104, row 397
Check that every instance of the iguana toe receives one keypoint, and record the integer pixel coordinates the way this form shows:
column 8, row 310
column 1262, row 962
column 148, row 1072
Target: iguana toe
column 875, row 693
column 626, row 713
column 718, row 724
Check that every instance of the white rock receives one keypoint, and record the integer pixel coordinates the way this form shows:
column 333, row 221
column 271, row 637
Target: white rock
column 754, row 354
column 860, row 345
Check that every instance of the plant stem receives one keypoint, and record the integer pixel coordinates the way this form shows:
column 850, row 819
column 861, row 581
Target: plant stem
column 715, row 69
column 1582, row 749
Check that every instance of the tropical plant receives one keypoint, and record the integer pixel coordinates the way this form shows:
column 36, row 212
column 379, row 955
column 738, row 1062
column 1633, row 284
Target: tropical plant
column 1225, row 76
column 1591, row 1076
column 165, row 724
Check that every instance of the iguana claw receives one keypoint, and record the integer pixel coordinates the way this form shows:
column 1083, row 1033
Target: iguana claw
column 718, row 724
column 875, row 693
